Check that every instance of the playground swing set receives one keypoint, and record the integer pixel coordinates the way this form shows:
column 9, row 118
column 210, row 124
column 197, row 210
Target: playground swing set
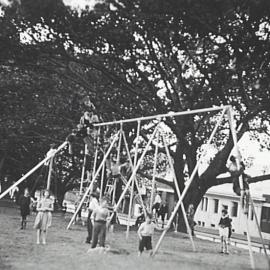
column 157, row 136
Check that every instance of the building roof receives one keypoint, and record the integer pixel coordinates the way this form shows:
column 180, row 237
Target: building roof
column 257, row 190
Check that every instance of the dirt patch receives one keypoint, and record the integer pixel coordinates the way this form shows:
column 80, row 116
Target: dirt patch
column 66, row 249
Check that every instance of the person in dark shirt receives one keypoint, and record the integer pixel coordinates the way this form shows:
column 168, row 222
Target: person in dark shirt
column 162, row 211
column 24, row 203
column 224, row 225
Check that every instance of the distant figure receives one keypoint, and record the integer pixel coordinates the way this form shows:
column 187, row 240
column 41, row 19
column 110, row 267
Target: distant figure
column 224, row 225
column 44, row 217
column 93, row 205
column 156, row 204
column 79, row 214
column 64, row 209
column 140, row 219
column 71, row 138
column 100, row 217
column 24, row 203
column 235, row 173
column 190, row 218
column 50, row 153
column 13, row 192
column 163, row 211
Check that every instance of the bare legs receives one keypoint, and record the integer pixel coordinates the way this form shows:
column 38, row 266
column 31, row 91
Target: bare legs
column 41, row 235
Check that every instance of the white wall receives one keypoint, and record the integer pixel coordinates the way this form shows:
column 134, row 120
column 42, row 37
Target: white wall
column 211, row 219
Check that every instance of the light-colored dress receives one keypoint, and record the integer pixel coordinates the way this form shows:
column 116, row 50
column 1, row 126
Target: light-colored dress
column 44, row 217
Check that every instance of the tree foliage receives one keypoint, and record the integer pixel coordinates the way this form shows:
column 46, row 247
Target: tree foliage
column 137, row 58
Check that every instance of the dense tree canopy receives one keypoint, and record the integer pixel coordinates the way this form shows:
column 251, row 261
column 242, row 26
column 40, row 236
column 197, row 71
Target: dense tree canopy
column 136, row 58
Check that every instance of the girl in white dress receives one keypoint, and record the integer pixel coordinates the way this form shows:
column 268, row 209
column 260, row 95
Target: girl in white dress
column 44, row 217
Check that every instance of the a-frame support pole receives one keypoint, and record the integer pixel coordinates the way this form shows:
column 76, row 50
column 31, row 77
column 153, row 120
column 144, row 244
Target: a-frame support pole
column 259, row 230
column 50, row 173
column 154, row 172
column 234, row 137
column 188, row 184
column 83, row 169
column 132, row 167
column 135, row 170
column 133, row 181
column 178, row 193
column 92, row 182
column 32, row 171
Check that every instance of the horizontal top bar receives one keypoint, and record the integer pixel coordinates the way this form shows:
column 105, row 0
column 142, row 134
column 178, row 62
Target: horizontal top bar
column 163, row 115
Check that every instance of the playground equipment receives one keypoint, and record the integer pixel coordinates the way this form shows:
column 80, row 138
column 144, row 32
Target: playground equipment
column 156, row 136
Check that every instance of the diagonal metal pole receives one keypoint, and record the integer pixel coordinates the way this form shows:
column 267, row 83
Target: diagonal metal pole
column 154, row 172
column 50, row 173
column 135, row 178
column 259, row 230
column 178, row 192
column 234, row 137
column 92, row 182
column 83, row 169
column 135, row 170
column 32, row 170
column 133, row 181
column 188, row 183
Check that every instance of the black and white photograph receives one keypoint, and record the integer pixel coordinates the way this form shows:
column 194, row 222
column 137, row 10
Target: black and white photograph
column 134, row 134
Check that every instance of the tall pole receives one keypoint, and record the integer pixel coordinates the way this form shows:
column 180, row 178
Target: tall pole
column 31, row 171
column 178, row 193
column 132, row 184
column 259, row 230
column 83, row 169
column 92, row 182
column 154, row 172
column 50, row 173
column 135, row 179
column 188, row 184
column 234, row 137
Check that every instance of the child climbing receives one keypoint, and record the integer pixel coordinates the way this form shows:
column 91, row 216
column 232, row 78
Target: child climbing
column 235, row 173
column 224, row 225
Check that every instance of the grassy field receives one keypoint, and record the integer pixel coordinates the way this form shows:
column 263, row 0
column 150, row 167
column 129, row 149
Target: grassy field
column 66, row 250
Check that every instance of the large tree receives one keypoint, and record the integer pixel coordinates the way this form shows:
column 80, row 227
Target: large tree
column 147, row 57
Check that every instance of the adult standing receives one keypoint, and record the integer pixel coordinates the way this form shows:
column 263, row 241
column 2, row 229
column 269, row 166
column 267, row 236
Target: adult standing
column 93, row 205
column 24, row 203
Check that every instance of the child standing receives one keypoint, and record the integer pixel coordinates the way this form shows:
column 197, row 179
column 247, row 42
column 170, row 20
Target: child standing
column 93, row 205
column 224, row 225
column 24, row 202
column 100, row 217
column 44, row 217
column 145, row 232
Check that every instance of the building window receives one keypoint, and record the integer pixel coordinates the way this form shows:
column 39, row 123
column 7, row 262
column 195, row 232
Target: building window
column 203, row 224
column 213, row 225
column 265, row 219
column 216, row 201
column 205, row 204
column 199, row 223
column 202, row 203
column 234, row 209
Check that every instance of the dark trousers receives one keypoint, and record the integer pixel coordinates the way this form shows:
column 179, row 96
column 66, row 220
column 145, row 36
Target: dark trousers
column 99, row 234
column 89, row 227
column 145, row 243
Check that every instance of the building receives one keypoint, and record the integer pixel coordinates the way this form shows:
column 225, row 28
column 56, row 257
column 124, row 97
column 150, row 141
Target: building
column 219, row 197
